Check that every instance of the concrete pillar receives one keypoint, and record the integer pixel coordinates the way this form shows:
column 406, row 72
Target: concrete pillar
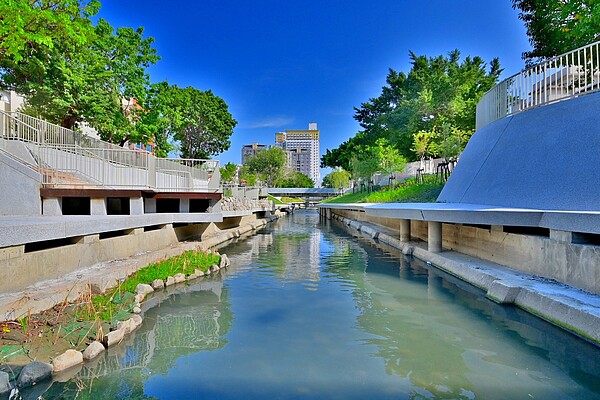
column 405, row 230
column 328, row 213
column 136, row 206
column 150, row 206
column 215, row 206
column 134, row 231
column 87, row 239
column 52, row 206
column 434, row 236
column 98, row 206
column 184, row 205
column 561, row 236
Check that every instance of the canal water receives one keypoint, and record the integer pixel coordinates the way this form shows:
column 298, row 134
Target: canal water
column 308, row 311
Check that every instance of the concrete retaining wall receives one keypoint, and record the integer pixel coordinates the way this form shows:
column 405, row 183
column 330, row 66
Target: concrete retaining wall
column 19, row 269
column 549, row 257
column 543, row 158
column 19, row 188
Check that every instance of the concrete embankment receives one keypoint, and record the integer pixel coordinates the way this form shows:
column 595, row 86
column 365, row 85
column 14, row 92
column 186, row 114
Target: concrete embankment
column 46, row 293
column 572, row 309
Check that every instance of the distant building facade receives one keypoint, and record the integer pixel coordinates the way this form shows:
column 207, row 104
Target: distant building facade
column 250, row 150
column 302, row 148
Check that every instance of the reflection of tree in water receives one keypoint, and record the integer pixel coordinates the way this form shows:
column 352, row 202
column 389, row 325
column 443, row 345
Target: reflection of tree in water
column 183, row 324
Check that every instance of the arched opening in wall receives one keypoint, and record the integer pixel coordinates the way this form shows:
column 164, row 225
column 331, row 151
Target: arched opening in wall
column 76, row 206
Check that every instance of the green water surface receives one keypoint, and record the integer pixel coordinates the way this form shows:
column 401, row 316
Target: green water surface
column 308, row 311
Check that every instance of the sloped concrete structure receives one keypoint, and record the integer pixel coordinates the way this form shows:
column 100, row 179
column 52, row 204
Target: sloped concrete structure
column 545, row 158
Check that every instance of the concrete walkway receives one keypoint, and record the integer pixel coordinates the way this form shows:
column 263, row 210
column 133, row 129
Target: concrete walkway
column 483, row 214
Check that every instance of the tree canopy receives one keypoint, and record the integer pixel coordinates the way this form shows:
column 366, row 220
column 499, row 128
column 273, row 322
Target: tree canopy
column 555, row 27
column 72, row 71
column 295, row 179
column 438, row 95
column 268, row 165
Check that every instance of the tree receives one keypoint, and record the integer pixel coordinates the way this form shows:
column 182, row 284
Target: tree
column 247, row 177
column 268, row 165
column 555, row 27
column 228, row 172
column 295, row 179
column 90, row 74
column 390, row 160
column 41, row 25
column 338, row 179
column 437, row 91
column 199, row 120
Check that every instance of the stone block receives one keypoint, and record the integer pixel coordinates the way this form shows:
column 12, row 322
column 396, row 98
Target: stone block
column 33, row 373
column 93, row 350
column 5, row 385
column 68, row 359
column 157, row 284
column 113, row 338
column 179, row 278
column 170, row 281
column 503, row 292
column 144, row 289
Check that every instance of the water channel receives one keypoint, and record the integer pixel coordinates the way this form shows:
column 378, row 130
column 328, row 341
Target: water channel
column 308, row 311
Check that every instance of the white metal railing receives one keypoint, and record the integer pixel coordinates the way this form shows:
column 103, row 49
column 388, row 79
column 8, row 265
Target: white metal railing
column 67, row 158
column 563, row 77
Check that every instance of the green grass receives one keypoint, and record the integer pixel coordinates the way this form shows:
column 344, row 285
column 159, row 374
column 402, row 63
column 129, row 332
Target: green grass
column 274, row 199
column 117, row 303
column 407, row 192
column 288, row 200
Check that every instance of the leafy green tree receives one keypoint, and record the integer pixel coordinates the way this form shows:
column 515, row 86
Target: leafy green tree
column 199, row 120
column 228, row 172
column 555, row 27
column 269, row 165
column 338, row 179
column 248, row 177
column 390, row 160
column 436, row 91
column 295, row 179
column 30, row 27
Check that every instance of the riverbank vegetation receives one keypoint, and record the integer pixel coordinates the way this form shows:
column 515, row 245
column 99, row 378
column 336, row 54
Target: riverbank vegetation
column 410, row 191
column 75, row 325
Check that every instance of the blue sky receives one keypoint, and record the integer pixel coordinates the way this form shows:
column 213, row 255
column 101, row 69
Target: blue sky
column 280, row 65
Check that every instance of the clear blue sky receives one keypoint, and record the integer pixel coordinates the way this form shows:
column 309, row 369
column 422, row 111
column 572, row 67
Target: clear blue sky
column 282, row 64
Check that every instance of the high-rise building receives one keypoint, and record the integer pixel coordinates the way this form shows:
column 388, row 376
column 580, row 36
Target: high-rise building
column 302, row 148
column 250, row 150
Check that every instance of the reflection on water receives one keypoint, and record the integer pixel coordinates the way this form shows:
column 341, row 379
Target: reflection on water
column 307, row 311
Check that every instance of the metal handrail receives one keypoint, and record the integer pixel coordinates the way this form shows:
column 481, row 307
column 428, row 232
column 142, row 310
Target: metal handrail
column 563, row 77
column 61, row 150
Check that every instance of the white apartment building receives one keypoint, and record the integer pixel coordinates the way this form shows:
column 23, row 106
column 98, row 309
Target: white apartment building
column 302, row 147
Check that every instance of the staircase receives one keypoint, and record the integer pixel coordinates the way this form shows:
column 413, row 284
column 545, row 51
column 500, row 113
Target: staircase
column 68, row 159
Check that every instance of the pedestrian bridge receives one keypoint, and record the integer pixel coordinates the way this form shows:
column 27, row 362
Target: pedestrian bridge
column 311, row 193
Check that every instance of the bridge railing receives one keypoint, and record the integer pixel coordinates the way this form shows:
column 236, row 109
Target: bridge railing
column 569, row 75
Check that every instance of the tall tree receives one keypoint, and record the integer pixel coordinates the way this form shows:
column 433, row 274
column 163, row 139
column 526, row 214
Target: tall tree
column 295, row 179
column 437, row 91
column 28, row 27
column 228, row 172
column 555, row 27
column 269, row 165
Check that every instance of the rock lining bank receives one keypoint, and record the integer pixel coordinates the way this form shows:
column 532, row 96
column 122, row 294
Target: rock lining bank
column 37, row 371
